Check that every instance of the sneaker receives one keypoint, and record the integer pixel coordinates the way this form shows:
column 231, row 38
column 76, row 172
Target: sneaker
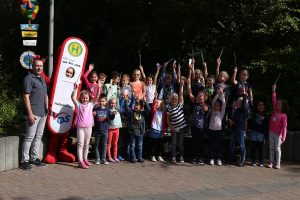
column 181, row 159
column 141, row 160
column 261, row 165
column 160, row 159
column 174, row 159
column 277, row 167
column 97, row 162
column 219, row 162
column 212, row 162
column 133, row 160
column 253, row 164
column 117, row 160
column 87, row 163
column 111, row 160
column 200, row 162
column 37, row 162
column 82, row 165
column 241, row 164
column 120, row 158
column 104, row 162
column 194, row 161
column 153, row 159
column 270, row 166
column 26, row 166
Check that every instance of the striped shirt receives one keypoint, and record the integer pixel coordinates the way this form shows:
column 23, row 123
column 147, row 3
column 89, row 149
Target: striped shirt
column 177, row 119
column 150, row 93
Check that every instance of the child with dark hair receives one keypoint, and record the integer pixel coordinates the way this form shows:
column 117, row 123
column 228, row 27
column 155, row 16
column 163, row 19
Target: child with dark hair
column 91, row 85
column 258, row 124
column 277, row 129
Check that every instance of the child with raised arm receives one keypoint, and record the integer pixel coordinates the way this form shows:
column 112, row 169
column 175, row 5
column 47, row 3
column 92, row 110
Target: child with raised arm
column 151, row 83
column 199, row 120
column 91, row 85
column 238, row 122
column 222, row 77
column 177, row 123
column 215, row 126
column 277, row 129
column 84, row 123
column 197, row 78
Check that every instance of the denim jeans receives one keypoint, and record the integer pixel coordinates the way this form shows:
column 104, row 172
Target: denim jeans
column 101, row 142
column 32, row 138
column 177, row 138
column 197, row 141
column 238, row 136
column 215, row 140
column 136, row 141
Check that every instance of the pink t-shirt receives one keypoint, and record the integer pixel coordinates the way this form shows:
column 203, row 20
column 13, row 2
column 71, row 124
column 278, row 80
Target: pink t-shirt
column 85, row 118
column 278, row 121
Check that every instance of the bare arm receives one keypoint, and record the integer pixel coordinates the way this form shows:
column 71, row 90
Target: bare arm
column 233, row 77
column 218, row 67
column 28, row 108
column 143, row 73
column 156, row 75
column 205, row 73
column 178, row 73
column 74, row 94
column 189, row 91
column 180, row 98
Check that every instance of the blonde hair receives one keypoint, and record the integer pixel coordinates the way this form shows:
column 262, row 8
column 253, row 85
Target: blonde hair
column 102, row 75
column 84, row 92
column 126, row 77
column 225, row 74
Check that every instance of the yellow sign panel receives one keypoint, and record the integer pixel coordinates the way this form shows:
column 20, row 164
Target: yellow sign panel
column 29, row 33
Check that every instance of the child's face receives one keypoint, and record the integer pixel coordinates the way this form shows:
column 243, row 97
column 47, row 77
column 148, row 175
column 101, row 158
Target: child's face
column 222, row 77
column 85, row 99
column 238, row 103
column 174, row 101
column 116, row 80
column 125, row 81
column 137, row 107
column 169, row 79
column 94, row 78
column 260, row 107
column 102, row 80
column 69, row 72
column 198, row 74
column 200, row 97
column 136, row 75
column 102, row 102
column 210, row 82
column 149, row 81
column 159, row 105
column 217, row 107
column 244, row 76
column 113, row 103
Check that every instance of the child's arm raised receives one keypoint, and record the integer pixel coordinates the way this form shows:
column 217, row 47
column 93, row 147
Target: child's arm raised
column 142, row 73
column 85, row 76
column 274, row 99
column 156, row 75
column 205, row 73
column 74, row 94
column 175, row 77
column 189, row 91
column 178, row 73
column 233, row 77
column 180, row 98
column 218, row 67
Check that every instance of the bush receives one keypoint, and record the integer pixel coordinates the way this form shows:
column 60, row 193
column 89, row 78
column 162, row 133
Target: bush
column 10, row 109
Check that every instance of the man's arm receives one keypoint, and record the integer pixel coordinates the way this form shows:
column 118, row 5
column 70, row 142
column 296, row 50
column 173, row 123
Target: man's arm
column 28, row 108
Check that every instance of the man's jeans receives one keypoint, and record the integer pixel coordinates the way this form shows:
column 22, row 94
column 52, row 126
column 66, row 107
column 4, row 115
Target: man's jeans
column 33, row 137
column 136, row 140
column 101, row 142
column 240, row 137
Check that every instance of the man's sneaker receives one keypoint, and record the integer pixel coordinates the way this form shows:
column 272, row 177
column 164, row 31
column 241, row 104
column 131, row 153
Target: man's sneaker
column 87, row 163
column 181, row 159
column 261, row 165
column 82, row 165
column 174, row 159
column 141, row 160
column 153, row 159
column 159, row 158
column 120, row 158
column 212, row 162
column 200, row 162
column 104, row 162
column 219, row 162
column 37, row 162
column 26, row 166
column 97, row 162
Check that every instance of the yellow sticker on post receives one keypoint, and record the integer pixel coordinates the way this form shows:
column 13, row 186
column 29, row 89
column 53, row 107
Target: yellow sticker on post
column 32, row 34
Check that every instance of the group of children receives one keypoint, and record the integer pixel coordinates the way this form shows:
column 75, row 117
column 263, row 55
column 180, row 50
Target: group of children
column 121, row 112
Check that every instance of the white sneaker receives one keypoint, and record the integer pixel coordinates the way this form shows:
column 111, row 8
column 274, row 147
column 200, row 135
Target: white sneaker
column 97, row 162
column 181, row 159
column 212, row 162
column 159, row 158
column 153, row 159
column 219, row 162
column 174, row 159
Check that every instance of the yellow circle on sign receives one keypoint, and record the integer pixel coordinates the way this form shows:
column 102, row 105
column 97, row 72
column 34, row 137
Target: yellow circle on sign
column 75, row 49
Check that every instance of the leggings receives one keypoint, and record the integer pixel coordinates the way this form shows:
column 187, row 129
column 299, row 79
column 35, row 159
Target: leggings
column 83, row 137
column 112, row 142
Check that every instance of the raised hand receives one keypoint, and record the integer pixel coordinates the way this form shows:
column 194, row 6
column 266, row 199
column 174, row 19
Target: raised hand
column 218, row 62
column 273, row 87
column 91, row 66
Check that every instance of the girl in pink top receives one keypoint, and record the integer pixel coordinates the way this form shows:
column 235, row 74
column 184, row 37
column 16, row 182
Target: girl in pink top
column 137, row 85
column 277, row 129
column 91, row 85
column 84, row 123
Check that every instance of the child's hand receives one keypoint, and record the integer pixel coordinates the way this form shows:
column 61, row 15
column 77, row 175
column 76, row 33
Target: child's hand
column 235, row 69
column 158, row 67
column 193, row 61
column 190, row 66
column 165, row 64
column 204, row 65
column 218, row 62
column 182, row 82
column 99, row 83
column 91, row 66
column 179, row 66
column 273, row 87
column 141, row 67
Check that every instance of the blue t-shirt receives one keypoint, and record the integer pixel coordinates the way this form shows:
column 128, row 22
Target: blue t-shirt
column 102, row 119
